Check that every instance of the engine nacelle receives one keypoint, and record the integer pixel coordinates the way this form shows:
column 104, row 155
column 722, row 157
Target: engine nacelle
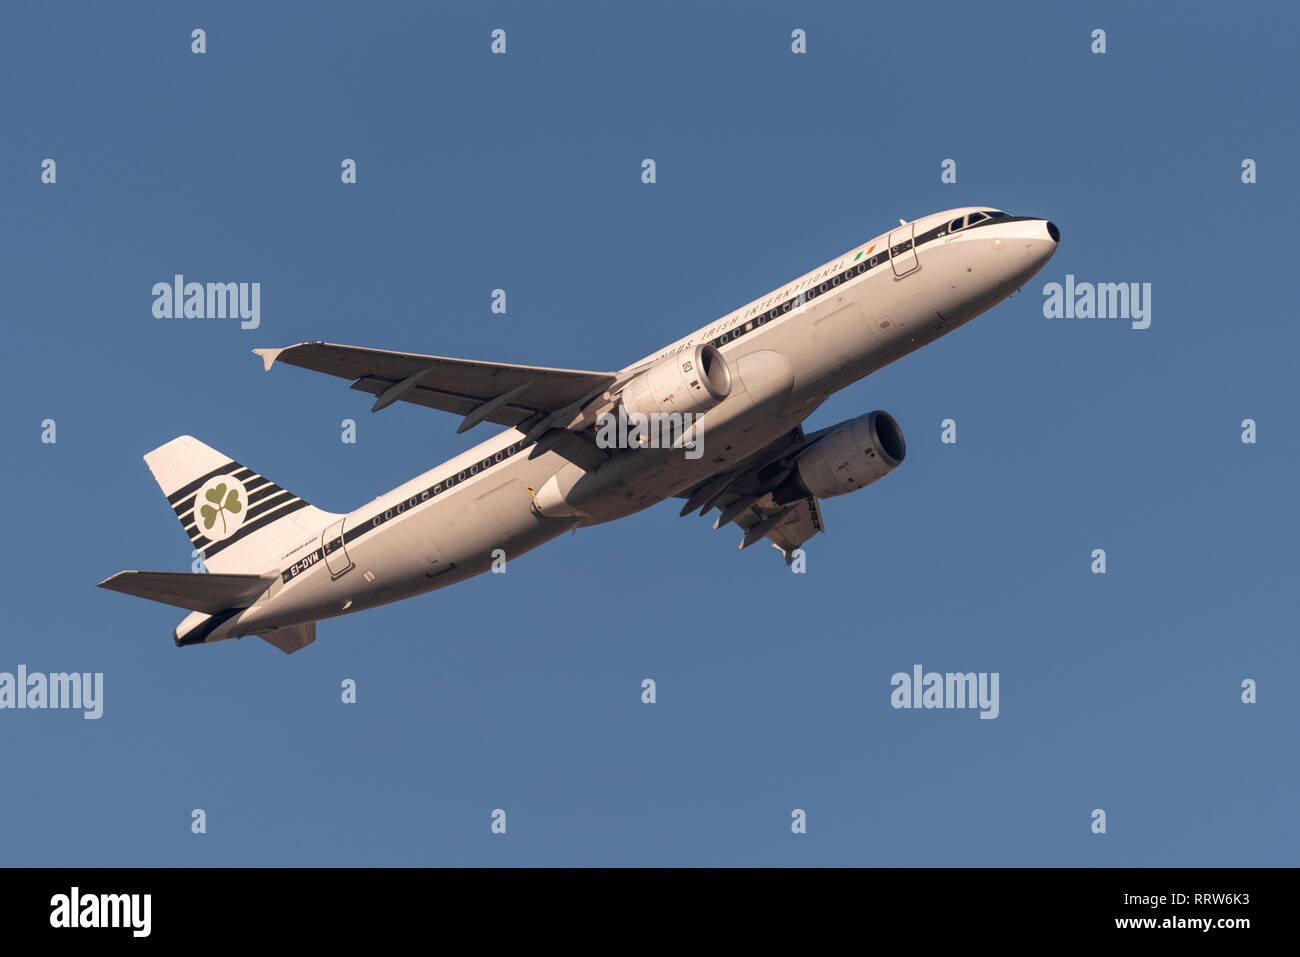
column 692, row 381
column 853, row 455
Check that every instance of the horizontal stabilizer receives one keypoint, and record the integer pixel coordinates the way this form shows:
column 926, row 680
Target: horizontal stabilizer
column 208, row 593
column 292, row 638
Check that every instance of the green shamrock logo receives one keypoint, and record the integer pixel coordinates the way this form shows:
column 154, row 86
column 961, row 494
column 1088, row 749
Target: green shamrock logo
column 224, row 502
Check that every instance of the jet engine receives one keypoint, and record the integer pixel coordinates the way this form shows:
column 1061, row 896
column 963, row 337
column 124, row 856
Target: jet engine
column 694, row 380
column 852, row 455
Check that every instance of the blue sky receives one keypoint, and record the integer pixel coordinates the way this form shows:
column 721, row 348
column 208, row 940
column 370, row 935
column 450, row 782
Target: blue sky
column 522, row 691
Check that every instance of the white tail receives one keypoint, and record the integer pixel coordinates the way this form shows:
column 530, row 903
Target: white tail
column 239, row 520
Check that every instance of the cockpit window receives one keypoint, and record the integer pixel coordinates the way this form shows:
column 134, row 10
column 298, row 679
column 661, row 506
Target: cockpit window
column 974, row 218
column 998, row 214
column 955, row 225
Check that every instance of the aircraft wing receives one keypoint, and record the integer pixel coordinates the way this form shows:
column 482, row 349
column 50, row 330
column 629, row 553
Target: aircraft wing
column 744, row 496
column 499, row 392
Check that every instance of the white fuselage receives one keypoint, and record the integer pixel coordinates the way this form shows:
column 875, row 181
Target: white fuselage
column 786, row 353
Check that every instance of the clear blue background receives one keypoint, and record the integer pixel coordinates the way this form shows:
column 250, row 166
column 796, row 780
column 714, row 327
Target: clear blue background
column 522, row 691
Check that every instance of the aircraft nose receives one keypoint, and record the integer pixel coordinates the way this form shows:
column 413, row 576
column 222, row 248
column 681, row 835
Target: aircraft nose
column 1035, row 242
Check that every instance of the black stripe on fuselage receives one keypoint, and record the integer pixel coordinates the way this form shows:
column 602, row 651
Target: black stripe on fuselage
column 882, row 258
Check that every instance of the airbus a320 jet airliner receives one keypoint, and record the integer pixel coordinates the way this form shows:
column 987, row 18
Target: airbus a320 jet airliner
column 277, row 565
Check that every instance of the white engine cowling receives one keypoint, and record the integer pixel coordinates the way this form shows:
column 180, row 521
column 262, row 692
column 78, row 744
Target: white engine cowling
column 854, row 454
column 693, row 381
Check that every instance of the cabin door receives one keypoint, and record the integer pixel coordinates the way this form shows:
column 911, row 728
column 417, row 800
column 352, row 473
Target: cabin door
column 336, row 554
column 902, row 250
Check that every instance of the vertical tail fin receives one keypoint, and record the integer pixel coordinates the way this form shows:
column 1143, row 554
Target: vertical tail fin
column 240, row 521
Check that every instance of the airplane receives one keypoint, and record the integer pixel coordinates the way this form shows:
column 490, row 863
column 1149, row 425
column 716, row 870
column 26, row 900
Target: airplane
column 740, row 389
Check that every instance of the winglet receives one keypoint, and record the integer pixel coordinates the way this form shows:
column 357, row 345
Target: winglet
column 268, row 356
